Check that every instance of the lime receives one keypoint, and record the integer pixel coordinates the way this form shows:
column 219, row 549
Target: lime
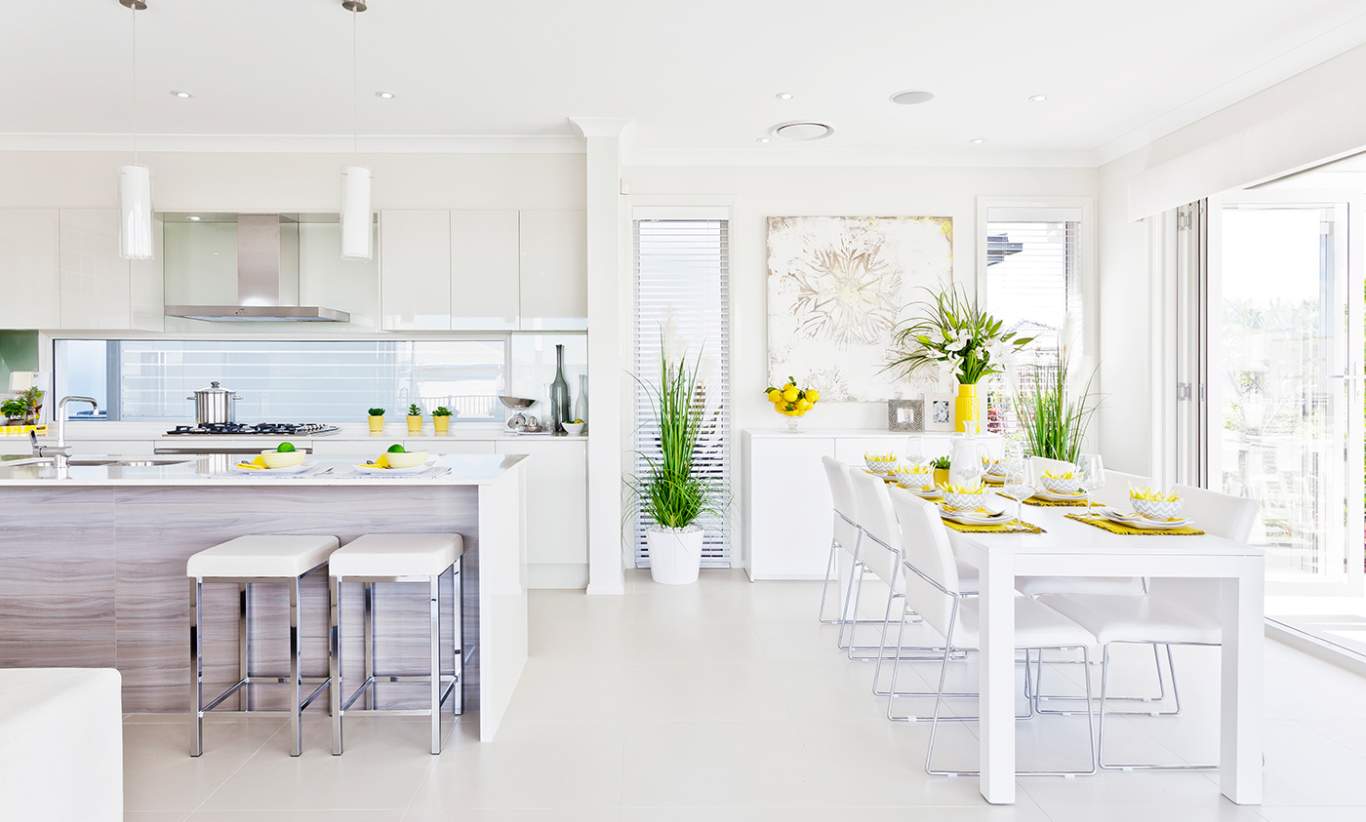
column 285, row 448
column 396, row 448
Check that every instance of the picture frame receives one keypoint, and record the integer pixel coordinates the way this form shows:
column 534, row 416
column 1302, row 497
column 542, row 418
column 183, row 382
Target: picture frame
column 938, row 412
column 906, row 415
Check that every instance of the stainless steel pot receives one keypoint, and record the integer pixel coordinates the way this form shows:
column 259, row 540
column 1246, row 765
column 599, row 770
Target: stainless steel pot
column 214, row 404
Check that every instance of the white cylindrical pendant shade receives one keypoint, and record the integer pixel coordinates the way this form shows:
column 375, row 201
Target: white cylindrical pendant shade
column 135, row 213
column 355, row 213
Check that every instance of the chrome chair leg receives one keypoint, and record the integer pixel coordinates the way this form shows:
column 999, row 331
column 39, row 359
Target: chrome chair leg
column 825, row 585
column 1134, row 766
column 1040, row 697
column 196, row 667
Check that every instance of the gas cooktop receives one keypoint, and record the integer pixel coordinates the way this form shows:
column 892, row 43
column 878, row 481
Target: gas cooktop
column 272, row 429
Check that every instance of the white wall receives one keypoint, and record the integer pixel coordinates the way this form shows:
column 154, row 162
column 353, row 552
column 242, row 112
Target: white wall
column 757, row 193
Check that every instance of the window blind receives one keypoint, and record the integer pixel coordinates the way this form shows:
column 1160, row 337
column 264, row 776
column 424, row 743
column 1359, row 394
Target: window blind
column 682, row 276
column 1033, row 285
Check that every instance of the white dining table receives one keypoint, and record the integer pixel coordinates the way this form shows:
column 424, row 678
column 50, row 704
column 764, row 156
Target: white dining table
column 1068, row 548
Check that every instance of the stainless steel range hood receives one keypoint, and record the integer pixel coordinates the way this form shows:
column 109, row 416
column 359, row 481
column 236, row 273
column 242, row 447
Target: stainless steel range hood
column 263, row 295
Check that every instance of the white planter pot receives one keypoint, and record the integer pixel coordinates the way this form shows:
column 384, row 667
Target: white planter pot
column 675, row 554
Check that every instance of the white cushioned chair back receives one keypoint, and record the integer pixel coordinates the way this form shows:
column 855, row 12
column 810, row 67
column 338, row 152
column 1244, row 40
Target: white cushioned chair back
column 925, row 541
column 1220, row 514
column 1038, row 465
column 1117, row 485
column 878, row 521
column 842, row 500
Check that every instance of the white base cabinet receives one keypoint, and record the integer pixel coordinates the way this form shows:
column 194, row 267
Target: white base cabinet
column 557, row 522
column 787, row 516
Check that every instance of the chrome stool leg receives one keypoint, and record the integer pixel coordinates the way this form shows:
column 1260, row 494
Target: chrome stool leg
column 334, row 662
column 372, row 692
column 458, row 635
column 295, row 663
column 244, row 644
column 196, row 666
column 434, row 641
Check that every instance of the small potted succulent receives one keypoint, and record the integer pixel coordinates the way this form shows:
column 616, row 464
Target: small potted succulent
column 941, row 470
column 376, row 420
column 441, row 419
column 414, row 419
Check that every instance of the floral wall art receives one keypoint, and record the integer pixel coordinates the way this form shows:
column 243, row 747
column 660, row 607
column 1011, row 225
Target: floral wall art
column 837, row 287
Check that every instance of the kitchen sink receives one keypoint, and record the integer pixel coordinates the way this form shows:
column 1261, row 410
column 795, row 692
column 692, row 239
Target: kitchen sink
column 124, row 462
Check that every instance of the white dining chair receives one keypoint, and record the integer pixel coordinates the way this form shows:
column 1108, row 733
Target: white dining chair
column 1174, row 612
column 845, row 534
column 931, row 580
column 879, row 552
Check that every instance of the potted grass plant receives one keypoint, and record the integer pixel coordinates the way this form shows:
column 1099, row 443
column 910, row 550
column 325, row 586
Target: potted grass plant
column 670, row 493
column 1054, row 419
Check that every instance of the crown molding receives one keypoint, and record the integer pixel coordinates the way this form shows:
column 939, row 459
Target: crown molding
column 802, row 156
column 299, row 143
column 602, row 126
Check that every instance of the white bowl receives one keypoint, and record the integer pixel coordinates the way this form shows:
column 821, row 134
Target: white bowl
column 963, row 502
column 575, row 429
column 282, row 459
column 1159, row 510
column 1058, row 485
column 880, row 467
column 405, row 459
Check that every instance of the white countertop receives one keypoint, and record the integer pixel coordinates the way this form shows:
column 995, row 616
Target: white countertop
column 395, row 431
column 850, row 433
column 453, row 469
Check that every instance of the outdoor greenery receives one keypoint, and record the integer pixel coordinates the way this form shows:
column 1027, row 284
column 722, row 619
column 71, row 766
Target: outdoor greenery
column 952, row 331
column 1054, row 420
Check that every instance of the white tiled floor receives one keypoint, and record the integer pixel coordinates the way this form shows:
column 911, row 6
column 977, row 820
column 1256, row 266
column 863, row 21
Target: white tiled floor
column 726, row 702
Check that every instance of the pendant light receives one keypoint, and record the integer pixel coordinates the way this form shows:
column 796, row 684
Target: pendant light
column 135, row 181
column 355, row 205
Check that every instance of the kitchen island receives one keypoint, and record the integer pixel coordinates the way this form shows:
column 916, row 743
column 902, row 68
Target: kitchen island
column 92, row 571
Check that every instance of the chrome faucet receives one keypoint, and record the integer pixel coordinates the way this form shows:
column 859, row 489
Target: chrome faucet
column 61, row 448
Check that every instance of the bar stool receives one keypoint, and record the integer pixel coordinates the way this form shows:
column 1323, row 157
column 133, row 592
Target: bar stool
column 398, row 558
column 271, row 558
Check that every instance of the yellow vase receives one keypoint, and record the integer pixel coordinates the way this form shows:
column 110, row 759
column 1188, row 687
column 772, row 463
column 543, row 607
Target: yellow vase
column 941, row 477
column 965, row 410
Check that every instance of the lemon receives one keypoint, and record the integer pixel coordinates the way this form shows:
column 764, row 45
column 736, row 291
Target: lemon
column 790, row 393
column 803, row 405
column 383, row 461
column 774, row 395
column 259, row 461
column 813, row 395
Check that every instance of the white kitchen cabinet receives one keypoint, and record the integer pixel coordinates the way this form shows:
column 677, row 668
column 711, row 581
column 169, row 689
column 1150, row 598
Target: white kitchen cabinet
column 485, row 285
column 99, row 289
column 330, row 280
column 29, row 269
column 787, row 516
column 554, row 270
column 557, row 515
column 415, row 270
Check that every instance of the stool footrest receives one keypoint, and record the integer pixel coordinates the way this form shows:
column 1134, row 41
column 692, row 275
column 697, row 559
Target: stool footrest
column 451, row 680
column 322, row 681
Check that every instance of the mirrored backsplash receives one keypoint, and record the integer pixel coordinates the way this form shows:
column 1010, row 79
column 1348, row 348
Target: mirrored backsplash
column 314, row 380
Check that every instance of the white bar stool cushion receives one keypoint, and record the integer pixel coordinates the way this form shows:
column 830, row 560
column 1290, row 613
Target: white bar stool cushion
column 396, row 555
column 262, row 555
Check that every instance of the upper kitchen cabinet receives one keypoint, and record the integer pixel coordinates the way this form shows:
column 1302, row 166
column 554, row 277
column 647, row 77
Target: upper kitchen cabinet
column 554, row 270
column 28, row 269
column 415, row 270
column 484, row 270
column 326, row 278
column 99, row 290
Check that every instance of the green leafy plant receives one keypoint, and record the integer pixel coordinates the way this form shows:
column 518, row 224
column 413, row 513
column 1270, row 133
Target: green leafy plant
column 951, row 330
column 670, row 493
column 940, row 463
column 414, row 410
column 14, row 409
column 33, row 398
column 376, row 412
column 1053, row 419
column 441, row 411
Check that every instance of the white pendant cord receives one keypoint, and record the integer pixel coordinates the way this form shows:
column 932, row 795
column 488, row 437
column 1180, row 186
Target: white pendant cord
column 133, row 94
column 355, row 107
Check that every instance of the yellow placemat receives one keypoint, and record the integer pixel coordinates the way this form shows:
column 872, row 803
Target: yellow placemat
column 1055, row 503
column 1015, row 526
column 22, row 430
column 1129, row 530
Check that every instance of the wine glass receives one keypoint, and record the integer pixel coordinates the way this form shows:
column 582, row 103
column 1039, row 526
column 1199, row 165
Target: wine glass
column 915, row 452
column 1017, row 485
column 1090, row 476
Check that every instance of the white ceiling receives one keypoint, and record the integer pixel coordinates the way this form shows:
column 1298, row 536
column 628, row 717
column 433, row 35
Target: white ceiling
column 698, row 77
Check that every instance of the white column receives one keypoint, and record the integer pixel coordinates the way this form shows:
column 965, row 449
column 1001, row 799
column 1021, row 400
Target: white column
column 608, row 346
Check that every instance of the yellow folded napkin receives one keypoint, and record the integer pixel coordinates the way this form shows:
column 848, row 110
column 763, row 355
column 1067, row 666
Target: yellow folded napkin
column 1015, row 526
column 1131, row 530
column 1056, row 503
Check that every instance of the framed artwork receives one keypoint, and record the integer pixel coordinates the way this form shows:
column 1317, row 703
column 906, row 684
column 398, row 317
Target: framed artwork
column 906, row 415
column 838, row 287
column 938, row 412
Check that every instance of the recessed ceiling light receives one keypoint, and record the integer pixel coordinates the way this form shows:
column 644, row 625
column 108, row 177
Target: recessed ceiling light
column 1037, row 98
column 911, row 98
column 802, row 131
column 784, row 95
column 763, row 140
column 194, row 218
column 385, row 95
column 977, row 141
column 183, row 95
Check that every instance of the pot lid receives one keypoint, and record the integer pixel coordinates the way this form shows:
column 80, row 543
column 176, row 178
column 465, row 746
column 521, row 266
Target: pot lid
column 214, row 388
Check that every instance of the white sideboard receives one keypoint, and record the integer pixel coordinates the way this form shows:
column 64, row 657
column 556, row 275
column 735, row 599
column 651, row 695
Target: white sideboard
column 787, row 518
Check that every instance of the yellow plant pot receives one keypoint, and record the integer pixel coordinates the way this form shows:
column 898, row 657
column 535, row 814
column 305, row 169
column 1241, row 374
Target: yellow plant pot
column 441, row 424
column 941, row 476
column 414, row 423
column 965, row 410
column 376, row 424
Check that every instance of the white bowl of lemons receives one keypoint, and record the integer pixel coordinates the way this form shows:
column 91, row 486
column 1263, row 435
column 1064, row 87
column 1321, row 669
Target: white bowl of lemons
column 402, row 459
column 1155, row 505
column 963, row 498
column 1064, row 482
